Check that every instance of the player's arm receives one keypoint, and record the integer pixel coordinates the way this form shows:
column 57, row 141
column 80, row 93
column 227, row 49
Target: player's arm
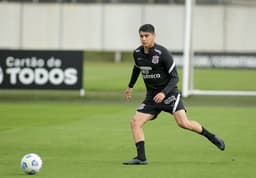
column 173, row 74
column 173, row 77
column 133, row 79
column 134, row 76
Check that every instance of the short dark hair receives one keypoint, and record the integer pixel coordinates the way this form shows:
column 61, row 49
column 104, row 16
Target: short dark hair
column 147, row 28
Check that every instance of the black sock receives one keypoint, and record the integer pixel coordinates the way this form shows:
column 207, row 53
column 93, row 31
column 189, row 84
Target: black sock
column 207, row 134
column 141, row 151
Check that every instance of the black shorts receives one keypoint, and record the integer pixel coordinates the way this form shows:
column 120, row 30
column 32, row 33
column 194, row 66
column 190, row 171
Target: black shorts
column 170, row 104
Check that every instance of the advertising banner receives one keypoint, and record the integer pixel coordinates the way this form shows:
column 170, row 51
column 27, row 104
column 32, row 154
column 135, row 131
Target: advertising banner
column 219, row 59
column 29, row 69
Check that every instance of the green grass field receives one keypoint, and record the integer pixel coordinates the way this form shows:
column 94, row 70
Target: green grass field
column 89, row 136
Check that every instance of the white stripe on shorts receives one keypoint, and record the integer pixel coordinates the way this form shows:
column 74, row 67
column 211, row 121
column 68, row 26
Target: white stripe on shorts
column 176, row 103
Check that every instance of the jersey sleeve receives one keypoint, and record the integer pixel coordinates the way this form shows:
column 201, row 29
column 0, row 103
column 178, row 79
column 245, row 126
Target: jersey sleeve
column 135, row 74
column 172, row 72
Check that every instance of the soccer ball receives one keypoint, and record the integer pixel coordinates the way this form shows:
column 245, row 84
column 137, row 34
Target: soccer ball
column 31, row 163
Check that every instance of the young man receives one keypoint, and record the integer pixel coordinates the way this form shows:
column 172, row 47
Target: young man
column 160, row 77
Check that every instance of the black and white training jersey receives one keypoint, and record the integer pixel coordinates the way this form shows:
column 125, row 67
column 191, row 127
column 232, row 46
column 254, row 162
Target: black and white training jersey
column 157, row 68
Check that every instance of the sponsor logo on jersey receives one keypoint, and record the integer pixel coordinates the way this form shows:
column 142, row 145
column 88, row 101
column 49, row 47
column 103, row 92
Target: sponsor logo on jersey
column 155, row 59
column 152, row 76
column 145, row 69
column 145, row 72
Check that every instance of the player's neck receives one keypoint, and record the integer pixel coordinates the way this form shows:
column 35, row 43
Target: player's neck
column 147, row 48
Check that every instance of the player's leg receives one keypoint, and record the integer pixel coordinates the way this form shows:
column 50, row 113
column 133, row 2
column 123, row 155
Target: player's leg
column 182, row 120
column 137, row 122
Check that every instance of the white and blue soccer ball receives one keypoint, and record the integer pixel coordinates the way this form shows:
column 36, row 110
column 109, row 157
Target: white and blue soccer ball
column 31, row 163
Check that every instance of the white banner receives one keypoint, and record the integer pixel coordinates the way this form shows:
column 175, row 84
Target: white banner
column 219, row 60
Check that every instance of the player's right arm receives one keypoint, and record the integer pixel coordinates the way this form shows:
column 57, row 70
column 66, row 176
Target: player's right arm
column 128, row 93
column 133, row 79
column 134, row 76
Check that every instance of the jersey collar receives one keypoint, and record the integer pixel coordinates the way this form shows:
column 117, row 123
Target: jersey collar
column 150, row 51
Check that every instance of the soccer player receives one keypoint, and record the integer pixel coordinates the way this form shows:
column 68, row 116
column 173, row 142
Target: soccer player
column 160, row 76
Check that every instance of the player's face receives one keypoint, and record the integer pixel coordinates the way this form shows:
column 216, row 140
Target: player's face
column 147, row 39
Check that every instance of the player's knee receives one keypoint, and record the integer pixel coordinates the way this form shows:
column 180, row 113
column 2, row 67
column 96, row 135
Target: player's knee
column 135, row 123
column 184, row 123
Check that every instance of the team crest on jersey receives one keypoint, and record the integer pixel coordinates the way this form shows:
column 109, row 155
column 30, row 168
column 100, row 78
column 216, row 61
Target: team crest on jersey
column 155, row 59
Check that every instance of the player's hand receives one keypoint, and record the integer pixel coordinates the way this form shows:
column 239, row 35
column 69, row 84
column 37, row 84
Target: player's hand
column 128, row 94
column 159, row 97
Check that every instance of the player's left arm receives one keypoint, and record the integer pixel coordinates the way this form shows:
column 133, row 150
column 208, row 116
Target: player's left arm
column 172, row 71
column 173, row 77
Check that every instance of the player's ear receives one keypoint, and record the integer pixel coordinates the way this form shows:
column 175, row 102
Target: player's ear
column 154, row 35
